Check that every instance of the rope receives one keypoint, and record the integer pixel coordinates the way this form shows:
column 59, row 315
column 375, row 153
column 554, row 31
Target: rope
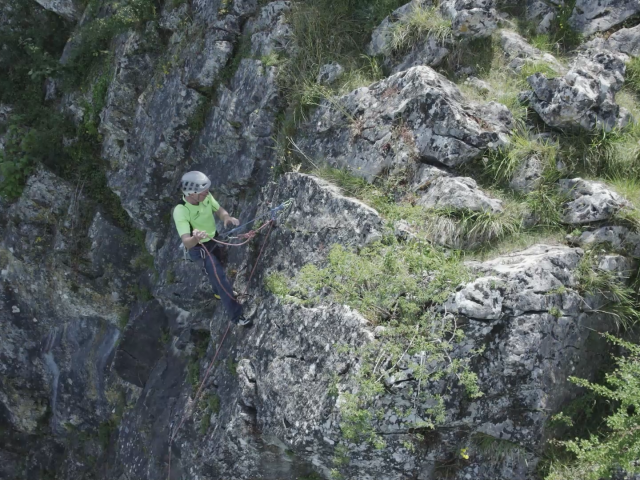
column 271, row 212
column 250, row 235
column 195, row 400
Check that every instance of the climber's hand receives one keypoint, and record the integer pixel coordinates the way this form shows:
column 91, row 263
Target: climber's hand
column 232, row 220
column 199, row 234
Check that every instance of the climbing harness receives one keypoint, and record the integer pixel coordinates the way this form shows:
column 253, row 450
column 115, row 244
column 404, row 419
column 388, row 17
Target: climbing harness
column 273, row 213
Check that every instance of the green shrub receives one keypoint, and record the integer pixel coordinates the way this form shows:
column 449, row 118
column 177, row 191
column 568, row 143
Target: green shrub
column 501, row 165
column 395, row 285
column 617, row 445
column 328, row 31
column 33, row 40
column 620, row 298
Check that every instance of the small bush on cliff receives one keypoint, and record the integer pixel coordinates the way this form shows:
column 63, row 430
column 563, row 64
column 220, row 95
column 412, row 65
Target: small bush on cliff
column 617, row 446
column 613, row 290
column 328, row 31
column 93, row 39
column 395, row 285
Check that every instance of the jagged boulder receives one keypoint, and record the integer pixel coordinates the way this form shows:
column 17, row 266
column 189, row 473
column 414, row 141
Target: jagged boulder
column 592, row 201
column 625, row 41
column 528, row 175
column 416, row 114
column 617, row 238
column 525, row 309
column 429, row 51
column 540, row 13
column 329, row 73
column 589, row 17
column 519, row 52
column 471, row 18
column 584, row 98
column 382, row 34
column 448, row 192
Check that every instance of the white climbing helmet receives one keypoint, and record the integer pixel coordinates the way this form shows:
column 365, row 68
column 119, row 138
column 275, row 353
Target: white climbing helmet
column 194, row 182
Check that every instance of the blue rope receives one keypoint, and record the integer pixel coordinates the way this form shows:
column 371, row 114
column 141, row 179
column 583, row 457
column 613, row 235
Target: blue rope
column 273, row 212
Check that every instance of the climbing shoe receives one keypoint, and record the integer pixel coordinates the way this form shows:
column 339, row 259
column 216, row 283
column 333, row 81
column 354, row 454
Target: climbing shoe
column 242, row 321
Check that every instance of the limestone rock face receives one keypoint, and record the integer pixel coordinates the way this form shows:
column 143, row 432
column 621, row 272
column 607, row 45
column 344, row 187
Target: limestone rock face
column 416, row 114
column 329, row 73
column 536, row 333
column 106, row 332
column 585, row 97
column 590, row 17
column 528, row 175
column 592, row 201
column 60, row 304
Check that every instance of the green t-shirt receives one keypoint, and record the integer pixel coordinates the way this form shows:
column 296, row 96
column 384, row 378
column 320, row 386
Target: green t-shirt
column 196, row 217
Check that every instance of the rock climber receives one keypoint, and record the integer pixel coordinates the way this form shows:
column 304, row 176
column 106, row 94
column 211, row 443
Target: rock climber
column 196, row 227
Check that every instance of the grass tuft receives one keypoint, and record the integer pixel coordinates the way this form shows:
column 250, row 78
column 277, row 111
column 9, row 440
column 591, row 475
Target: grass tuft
column 420, row 23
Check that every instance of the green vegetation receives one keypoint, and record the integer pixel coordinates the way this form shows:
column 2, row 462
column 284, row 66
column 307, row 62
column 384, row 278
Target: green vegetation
column 328, row 31
column 561, row 37
column 123, row 317
column 420, row 23
column 232, row 367
column 616, row 446
column 497, row 449
column 93, row 39
column 387, row 283
column 210, row 404
column 632, row 78
column 200, row 344
column 105, row 431
column 165, row 336
column 277, row 283
column 36, row 130
column 613, row 290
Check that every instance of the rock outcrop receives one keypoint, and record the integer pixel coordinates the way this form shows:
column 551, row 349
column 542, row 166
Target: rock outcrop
column 625, row 41
column 518, row 52
column 585, row 97
column 592, row 201
column 412, row 115
column 590, row 17
column 471, row 18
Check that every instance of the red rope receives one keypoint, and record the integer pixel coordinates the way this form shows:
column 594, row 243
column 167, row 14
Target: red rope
column 195, row 400
column 250, row 236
